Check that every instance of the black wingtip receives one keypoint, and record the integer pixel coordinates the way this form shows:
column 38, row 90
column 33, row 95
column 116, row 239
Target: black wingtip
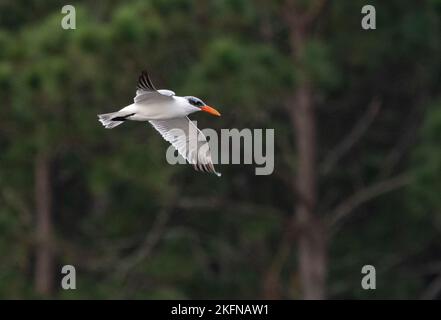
column 144, row 81
column 208, row 168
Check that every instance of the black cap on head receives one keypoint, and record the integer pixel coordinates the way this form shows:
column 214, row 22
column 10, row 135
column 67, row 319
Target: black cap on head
column 195, row 101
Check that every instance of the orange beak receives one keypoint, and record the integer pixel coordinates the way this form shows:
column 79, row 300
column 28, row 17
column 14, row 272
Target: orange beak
column 211, row 110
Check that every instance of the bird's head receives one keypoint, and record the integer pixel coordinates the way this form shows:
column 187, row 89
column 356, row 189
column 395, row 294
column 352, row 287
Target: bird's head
column 198, row 103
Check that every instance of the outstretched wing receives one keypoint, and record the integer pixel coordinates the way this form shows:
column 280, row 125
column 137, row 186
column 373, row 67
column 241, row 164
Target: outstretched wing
column 188, row 140
column 146, row 91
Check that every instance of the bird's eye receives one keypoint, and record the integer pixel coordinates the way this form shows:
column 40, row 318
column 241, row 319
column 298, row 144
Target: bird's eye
column 195, row 102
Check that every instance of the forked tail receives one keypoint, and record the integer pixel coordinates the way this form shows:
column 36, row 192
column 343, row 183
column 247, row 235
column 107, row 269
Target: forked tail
column 111, row 120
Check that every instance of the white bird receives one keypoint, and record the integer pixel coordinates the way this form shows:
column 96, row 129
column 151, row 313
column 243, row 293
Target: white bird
column 167, row 113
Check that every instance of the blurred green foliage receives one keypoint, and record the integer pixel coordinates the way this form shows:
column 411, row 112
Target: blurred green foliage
column 220, row 235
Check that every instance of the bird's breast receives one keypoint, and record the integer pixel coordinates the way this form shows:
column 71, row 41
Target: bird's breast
column 158, row 111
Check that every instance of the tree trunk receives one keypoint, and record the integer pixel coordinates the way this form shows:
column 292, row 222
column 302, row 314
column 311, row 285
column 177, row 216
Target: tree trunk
column 44, row 265
column 312, row 240
column 311, row 236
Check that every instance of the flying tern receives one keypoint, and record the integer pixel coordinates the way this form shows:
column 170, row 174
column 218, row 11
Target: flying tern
column 168, row 114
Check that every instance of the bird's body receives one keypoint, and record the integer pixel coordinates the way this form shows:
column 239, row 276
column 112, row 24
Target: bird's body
column 167, row 112
column 177, row 107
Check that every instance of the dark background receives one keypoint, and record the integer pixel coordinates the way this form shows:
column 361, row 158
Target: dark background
column 357, row 180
